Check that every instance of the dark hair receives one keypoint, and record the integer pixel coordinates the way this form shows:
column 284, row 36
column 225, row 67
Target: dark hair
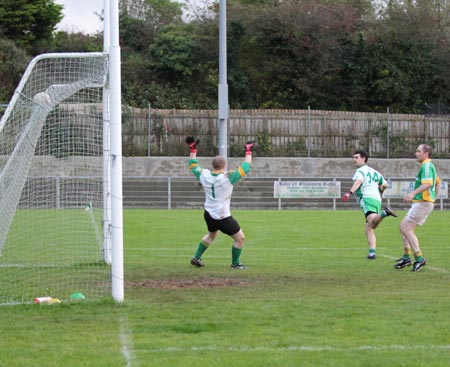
column 363, row 154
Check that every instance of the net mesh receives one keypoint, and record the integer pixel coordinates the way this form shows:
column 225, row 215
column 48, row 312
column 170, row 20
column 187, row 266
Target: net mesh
column 51, row 184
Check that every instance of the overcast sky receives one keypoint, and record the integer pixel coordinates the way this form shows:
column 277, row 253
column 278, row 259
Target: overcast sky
column 80, row 16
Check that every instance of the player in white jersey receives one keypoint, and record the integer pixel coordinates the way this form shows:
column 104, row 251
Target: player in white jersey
column 368, row 186
column 218, row 187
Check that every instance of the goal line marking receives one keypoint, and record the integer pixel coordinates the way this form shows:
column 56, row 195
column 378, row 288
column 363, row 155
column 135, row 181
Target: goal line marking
column 126, row 340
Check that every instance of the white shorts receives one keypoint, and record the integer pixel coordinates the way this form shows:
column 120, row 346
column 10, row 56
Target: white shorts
column 419, row 212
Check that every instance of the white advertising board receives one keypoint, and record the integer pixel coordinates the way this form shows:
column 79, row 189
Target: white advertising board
column 306, row 189
column 398, row 189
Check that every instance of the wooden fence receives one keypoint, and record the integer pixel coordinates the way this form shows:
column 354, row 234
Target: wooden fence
column 285, row 133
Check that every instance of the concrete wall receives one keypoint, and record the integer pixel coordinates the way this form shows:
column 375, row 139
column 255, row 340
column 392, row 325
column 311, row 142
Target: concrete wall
column 146, row 183
column 262, row 167
column 285, row 167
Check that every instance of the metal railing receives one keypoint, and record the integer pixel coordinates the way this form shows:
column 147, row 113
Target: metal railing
column 185, row 192
column 250, row 193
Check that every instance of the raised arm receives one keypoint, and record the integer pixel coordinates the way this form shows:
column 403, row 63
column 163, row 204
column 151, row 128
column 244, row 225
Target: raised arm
column 192, row 144
column 249, row 151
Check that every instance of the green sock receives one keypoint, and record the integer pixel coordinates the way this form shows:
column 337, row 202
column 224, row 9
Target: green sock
column 407, row 254
column 383, row 214
column 372, row 251
column 235, row 255
column 202, row 247
column 418, row 256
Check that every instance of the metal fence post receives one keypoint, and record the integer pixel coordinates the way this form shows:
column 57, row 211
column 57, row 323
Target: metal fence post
column 387, row 135
column 334, row 199
column 279, row 198
column 149, row 130
column 309, row 131
column 169, row 192
column 58, row 192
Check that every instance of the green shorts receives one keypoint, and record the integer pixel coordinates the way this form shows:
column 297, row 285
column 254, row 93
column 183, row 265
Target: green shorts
column 370, row 205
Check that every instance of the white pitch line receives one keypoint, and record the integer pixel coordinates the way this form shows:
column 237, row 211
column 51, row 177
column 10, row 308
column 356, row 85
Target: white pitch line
column 126, row 341
column 434, row 268
column 252, row 247
column 301, row 348
column 180, row 252
column 256, row 247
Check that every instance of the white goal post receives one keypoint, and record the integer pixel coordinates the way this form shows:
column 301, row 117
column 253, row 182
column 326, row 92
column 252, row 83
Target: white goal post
column 55, row 230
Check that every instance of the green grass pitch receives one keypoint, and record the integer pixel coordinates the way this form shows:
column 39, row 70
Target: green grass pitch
column 309, row 297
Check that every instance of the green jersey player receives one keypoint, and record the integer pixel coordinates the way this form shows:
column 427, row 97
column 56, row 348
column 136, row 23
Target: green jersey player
column 218, row 187
column 426, row 190
column 368, row 185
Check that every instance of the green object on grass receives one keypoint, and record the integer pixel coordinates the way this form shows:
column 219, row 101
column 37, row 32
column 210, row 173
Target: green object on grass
column 77, row 295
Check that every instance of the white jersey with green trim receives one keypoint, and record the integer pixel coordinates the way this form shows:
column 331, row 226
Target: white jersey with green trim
column 218, row 190
column 218, row 187
column 371, row 179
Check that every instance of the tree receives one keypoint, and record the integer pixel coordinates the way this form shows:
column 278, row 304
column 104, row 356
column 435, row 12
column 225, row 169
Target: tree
column 292, row 53
column 174, row 52
column 13, row 62
column 29, row 23
column 411, row 59
column 160, row 55
column 141, row 20
column 77, row 42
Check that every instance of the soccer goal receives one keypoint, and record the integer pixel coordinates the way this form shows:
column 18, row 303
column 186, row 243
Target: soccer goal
column 54, row 211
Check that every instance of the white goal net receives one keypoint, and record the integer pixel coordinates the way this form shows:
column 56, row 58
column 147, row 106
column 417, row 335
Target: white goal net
column 52, row 200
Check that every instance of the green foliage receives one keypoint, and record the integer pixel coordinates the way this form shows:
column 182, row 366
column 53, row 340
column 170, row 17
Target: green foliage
column 264, row 145
column 77, row 42
column 165, row 71
column 398, row 143
column 13, row 61
column 296, row 149
column 326, row 54
column 174, row 52
column 141, row 20
column 30, row 23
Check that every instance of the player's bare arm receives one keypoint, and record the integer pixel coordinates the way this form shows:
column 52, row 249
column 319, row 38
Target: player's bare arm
column 408, row 197
column 352, row 190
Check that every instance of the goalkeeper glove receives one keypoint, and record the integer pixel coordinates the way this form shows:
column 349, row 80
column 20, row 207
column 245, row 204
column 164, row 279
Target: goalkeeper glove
column 190, row 141
column 248, row 147
column 347, row 196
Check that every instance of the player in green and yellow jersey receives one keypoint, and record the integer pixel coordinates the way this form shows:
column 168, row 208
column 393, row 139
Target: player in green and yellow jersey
column 426, row 190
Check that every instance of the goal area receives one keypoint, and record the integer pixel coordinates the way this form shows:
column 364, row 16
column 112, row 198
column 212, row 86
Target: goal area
column 54, row 182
